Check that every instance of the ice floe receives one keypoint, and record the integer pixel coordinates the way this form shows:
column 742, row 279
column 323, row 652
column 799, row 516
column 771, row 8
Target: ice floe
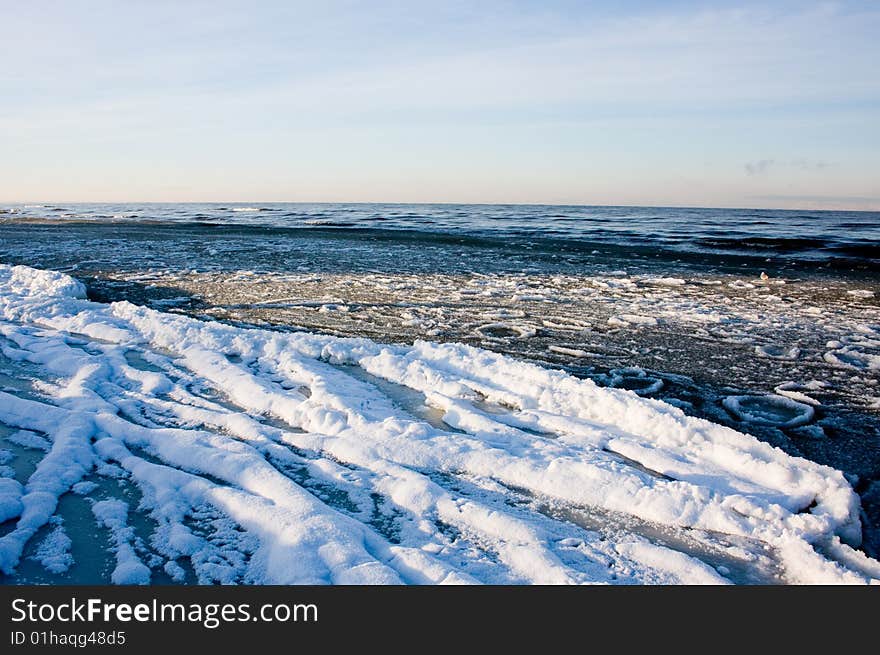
column 778, row 352
column 768, row 409
column 666, row 281
column 625, row 320
column 571, row 352
column 853, row 357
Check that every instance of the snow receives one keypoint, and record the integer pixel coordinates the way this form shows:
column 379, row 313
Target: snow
column 54, row 550
column 10, row 499
column 113, row 514
column 84, row 488
column 21, row 281
column 297, row 458
column 175, row 571
column 29, row 440
column 678, row 568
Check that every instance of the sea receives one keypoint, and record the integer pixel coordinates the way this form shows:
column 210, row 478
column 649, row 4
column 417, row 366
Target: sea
column 841, row 240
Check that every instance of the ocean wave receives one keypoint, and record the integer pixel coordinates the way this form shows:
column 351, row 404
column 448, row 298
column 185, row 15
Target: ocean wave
column 809, row 237
column 743, row 242
column 326, row 222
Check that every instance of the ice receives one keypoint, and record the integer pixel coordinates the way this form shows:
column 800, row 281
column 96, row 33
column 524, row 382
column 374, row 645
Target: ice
column 666, row 281
column 571, row 352
column 861, row 293
column 778, row 352
column 505, row 329
column 769, row 410
column 797, row 391
column 635, row 379
column 632, row 319
column 853, row 357
column 259, row 456
column 811, row 431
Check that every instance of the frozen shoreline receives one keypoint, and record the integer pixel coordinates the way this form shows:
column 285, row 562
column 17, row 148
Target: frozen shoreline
column 788, row 361
column 434, row 463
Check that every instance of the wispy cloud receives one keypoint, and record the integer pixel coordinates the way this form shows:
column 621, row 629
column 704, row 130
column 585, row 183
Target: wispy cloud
column 759, row 167
column 762, row 166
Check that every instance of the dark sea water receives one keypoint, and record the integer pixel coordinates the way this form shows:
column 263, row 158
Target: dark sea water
column 837, row 239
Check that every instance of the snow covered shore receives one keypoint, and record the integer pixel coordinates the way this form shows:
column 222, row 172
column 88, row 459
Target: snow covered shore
column 328, row 460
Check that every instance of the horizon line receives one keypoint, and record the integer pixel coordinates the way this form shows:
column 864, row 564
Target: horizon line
column 423, row 202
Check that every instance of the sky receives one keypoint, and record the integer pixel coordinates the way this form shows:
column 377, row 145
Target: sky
column 622, row 103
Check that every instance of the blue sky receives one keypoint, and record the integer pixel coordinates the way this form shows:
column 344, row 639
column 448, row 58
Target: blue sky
column 666, row 103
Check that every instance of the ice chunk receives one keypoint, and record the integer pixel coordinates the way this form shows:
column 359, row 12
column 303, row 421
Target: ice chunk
column 571, row 352
column 773, row 410
column 778, row 352
column 666, row 281
column 853, row 357
column 624, row 320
